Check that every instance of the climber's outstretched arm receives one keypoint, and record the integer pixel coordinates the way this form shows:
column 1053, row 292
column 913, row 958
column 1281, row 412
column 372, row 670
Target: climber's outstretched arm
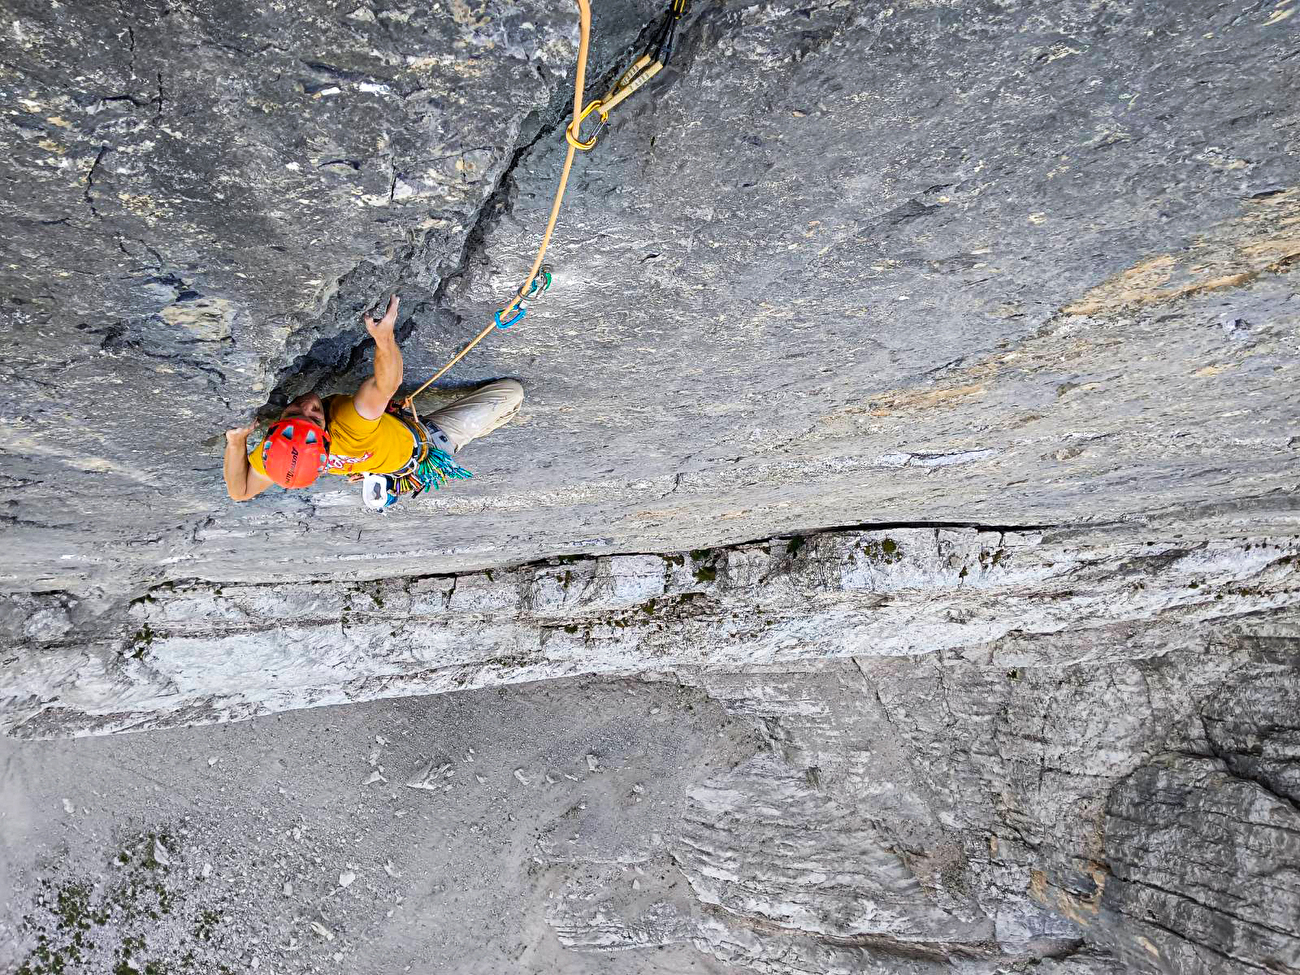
column 373, row 396
column 242, row 482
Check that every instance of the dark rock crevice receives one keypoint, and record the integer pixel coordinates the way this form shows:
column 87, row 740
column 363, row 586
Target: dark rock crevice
column 1233, row 766
column 1198, row 857
column 90, row 181
column 1141, row 880
column 1181, row 936
column 130, row 35
column 336, row 359
column 332, row 359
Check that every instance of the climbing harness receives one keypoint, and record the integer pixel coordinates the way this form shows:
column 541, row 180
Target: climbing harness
column 645, row 67
column 431, row 465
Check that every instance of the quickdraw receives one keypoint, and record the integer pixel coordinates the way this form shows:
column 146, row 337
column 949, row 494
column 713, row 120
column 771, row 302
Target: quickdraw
column 540, row 285
column 518, row 317
column 638, row 74
column 635, row 77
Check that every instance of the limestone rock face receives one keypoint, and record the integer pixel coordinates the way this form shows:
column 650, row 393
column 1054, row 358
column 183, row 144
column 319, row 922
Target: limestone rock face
column 204, row 652
column 1225, row 795
column 949, row 813
column 1008, row 264
column 918, row 382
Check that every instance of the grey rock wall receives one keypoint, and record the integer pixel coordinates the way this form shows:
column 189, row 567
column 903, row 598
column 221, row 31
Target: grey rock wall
column 1001, row 812
column 1001, row 293
column 1013, row 263
column 1224, row 796
column 203, row 652
column 988, row 812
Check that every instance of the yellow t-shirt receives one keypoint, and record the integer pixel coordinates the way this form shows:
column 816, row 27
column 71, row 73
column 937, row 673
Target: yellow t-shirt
column 358, row 445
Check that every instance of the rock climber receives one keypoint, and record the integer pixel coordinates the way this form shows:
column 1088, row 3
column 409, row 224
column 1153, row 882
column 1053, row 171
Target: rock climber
column 364, row 434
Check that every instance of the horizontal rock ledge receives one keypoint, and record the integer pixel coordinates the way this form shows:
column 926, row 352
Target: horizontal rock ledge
column 197, row 653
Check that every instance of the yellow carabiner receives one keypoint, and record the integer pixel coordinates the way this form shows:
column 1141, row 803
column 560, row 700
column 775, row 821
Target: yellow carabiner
column 571, row 130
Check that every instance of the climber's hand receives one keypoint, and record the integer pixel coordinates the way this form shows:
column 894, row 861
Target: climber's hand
column 239, row 435
column 383, row 329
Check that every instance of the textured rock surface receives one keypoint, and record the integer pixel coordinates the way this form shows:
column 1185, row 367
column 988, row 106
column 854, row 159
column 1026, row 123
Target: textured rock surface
column 1080, row 803
column 205, row 653
column 844, row 262
column 1002, row 293
column 918, row 815
column 1225, row 796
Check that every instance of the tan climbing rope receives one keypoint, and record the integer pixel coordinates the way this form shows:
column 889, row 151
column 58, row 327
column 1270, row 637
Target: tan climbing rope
column 570, row 132
column 642, row 70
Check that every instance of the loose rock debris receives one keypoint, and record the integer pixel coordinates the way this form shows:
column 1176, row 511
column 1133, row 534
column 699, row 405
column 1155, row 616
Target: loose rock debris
column 430, row 777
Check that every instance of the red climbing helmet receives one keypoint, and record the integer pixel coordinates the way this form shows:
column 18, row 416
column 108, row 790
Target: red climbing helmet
column 295, row 452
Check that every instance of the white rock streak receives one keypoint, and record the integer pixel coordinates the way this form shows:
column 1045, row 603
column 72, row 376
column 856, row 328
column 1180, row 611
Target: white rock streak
column 221, row 653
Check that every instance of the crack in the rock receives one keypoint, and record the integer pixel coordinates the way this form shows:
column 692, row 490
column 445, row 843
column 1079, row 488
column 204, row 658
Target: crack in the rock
column 236, row 49
column 548, row 119
column 1191, row 941
column 160, row 99
column 90, row 181
column 130, row 35
column 340, row 362
column 1229, row 766
column 1210, row 908
column 115, row 343
column 342, row 74
column 158, row 258
column 137, row 102
column 120, row 239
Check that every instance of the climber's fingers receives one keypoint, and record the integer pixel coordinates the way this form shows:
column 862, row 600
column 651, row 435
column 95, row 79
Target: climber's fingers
column 240, row 433
column 384, row 326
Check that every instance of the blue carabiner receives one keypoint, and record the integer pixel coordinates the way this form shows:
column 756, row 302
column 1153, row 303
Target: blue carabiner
column 518, row 316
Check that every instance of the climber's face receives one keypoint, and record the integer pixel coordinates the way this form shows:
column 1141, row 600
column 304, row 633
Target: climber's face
column 309, row 406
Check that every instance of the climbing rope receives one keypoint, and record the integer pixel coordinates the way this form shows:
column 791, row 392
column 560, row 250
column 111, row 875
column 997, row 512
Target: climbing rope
column 579, row 91
column 642, row 70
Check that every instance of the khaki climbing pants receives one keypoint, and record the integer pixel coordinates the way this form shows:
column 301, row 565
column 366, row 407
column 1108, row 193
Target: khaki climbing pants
column 479, row 413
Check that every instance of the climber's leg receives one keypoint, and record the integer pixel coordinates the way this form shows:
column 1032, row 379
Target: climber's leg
column 479, row 413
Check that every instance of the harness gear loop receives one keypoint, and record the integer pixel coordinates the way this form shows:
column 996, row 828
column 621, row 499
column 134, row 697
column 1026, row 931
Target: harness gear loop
column 572, row 129
column 432, row 463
